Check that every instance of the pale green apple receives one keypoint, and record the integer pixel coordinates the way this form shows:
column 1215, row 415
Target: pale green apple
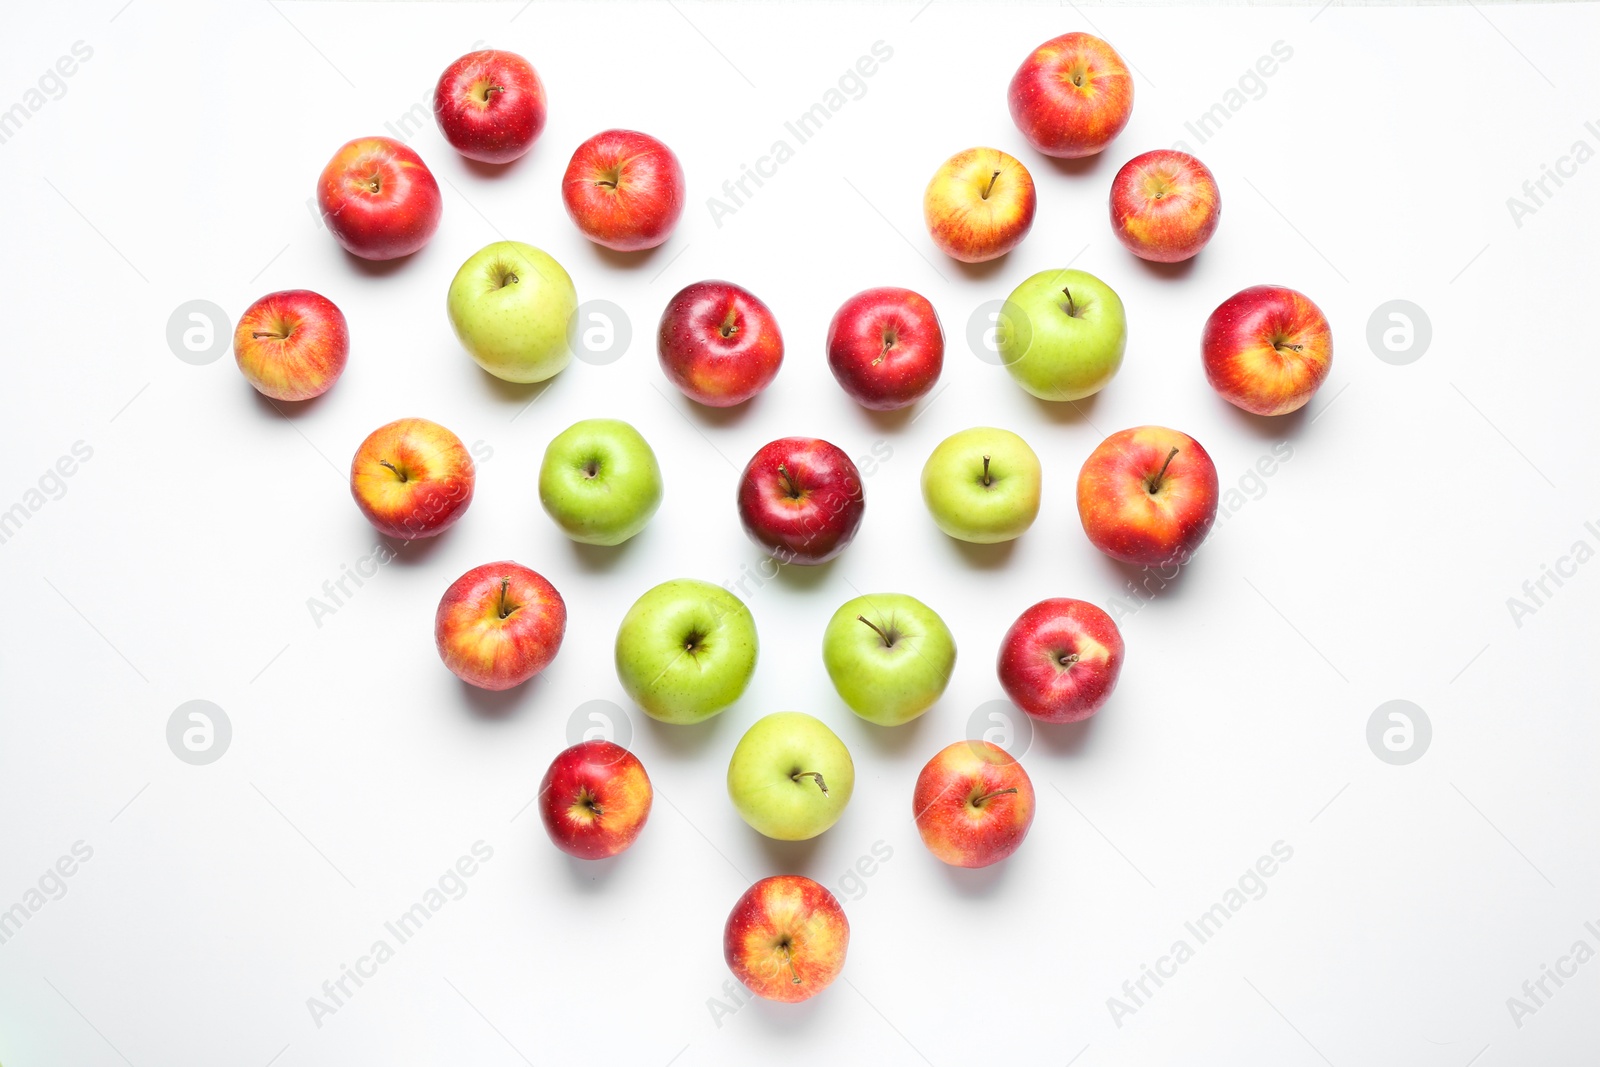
column 790, row 776
column 982, row 485
column 889, row 655
column 686, row 650
column 600, row 481
column 1061, row 334
column 510, row 304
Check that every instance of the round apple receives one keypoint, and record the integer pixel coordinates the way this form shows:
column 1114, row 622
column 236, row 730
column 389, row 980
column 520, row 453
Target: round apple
column 499, row 625
column 973, row 804
column 600, row 481
column 979, row 205
column 378, row 198
column 786, row 938
column 509, row 305
column 1061, row 334
column 1148, row 496
column 1267, row 349
column 1165, row 206
column 800, row 500
column 686, row 650
column 1071, row 96
column 594, row 799
column 490, row 105
column 624, row 190
column 412, row 478
column 718, row 343
column 790, row 776
column 982, row 485
column 886, row 348
column 1060, row 660
column 889, row 655
column 292, row 345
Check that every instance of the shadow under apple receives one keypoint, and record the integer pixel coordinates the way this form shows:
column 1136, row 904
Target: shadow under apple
column 615, row 260
column 591, row 875
column 491, row 705
column 690, row 741
column 602, row 559
column 413, row 553
column 985, row 557
column 287, row 409
column 1268, row 427
column 1068, row 412
column 1169, row 271
column 1065, row 738
column 790, row 857
column 974, row 883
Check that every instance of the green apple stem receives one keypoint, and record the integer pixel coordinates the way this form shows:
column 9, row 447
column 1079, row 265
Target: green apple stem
column 888, row 641
column 990, row 796
column 397, row 471
column 1071, row 308
column 795, row 777
column 1155, row 483
column 990, row 187
column 987, row 481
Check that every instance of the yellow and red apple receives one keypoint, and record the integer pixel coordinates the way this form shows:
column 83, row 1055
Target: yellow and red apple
column 1148, row 496
column 979, row 204
column 499, row 625
column 292, row 345
column 973, row 804
column 412, row 478
column 1165, row 205
column 786, row 938
column 1267, row 349
column 1071, row 96
column 594, row 799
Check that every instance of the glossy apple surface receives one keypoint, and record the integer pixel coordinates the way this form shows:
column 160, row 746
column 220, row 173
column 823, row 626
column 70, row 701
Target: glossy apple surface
column 490, row 105
column 1061, row 659
column 1267, row 349
column 509, row 305
column 499, row 625
column 686, row 650
column 600, row 481
column 790, row 776
column 594, row 799
column 1165, row 206
column 983, row 485
column 412, row 478
column 889, row 655
column 1071, row 96
column 292, row 345
column 786, row 938
column 886, row 347
column 378, row 199
column 979, row 205
column 1062, row 334
column 800, row 500
column 718, row 343
column 1148, row 496
column 973, row 804
column 624, row 190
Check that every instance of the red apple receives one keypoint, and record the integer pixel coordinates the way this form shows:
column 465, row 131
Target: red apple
column 973, row 804
column 499, row 625
column 379, row 199
column 490, row 105
column 594, row 799
column 979, row 205
column 886, row 348
column 292, row 345
column 412, row 478
column 1071, row 96
column 624, row 190
column 1060, row 660
column 1267, row 349
column 1148, row 496
column 1164, row 205
column 800, row 500
column 718, row 343
column 786, row 938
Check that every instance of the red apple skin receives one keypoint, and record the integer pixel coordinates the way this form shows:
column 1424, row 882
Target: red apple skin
column 1125, row 519
column 973, row 804
column 625, row 190
column 595, row 799
column 412, row 479
column 718, row 343
column 499, row 625
column 1165, row 206
column 800, row 500
column 1267, row 349
column 786, row 938
column 379, row 199
column 292, row 345
column 979, row 205
column 490, row 105
column 886, row 347
column 1060, row 660
column 1071, row 96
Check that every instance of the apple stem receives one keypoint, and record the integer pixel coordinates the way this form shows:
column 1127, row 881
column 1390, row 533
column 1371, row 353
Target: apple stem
column 1071, row 308
column 398, row 472
column 789, row 486
column 888, row 343
column 730, row 323
column 1280, row 346
column 987, row 481
column 812, row 774
column 990, row 796
column 1155, row 483
column 888, row 642
column 990, row 187
column 1069, row 659
column 278, row 335
column 505, row 583
column 789, row 959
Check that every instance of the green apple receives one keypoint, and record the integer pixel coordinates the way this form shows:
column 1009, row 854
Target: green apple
column 889, row 655
column 790, row 776
column 510, row 304
column 1061, row 334
column 686, row 650
column 982, row 485
column 600, row 482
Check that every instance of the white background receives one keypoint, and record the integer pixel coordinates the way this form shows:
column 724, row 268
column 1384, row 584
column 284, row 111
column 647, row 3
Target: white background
column 1376, row 566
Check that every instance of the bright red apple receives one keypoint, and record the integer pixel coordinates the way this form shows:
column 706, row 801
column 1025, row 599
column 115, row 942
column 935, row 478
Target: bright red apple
column 1060, row 660
column 886, row 348
column 973, row 804
column 1071, row 96
column 379, row 199
column 800, row 500
column 1148, row 496
column 499, row 625
column 594, row 799
column 719, row 343
column 1267, row 349
column 1165, row 205
column 412, row 478
column 624, row 190
column 786, row 938
column 292, row 345
column 490, row 105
